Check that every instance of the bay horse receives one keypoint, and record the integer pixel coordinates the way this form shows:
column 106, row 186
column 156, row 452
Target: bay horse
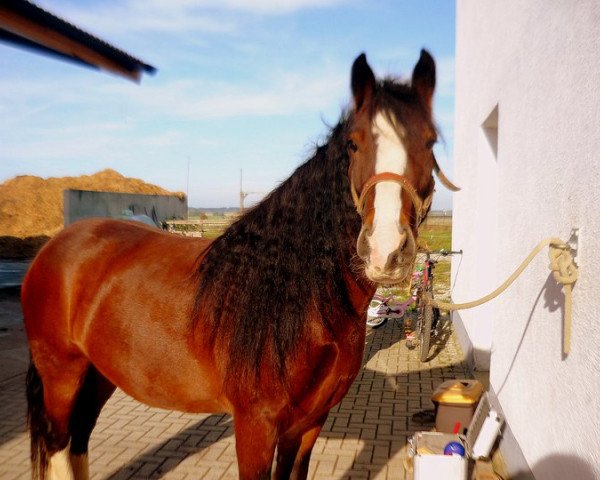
column 267, row 322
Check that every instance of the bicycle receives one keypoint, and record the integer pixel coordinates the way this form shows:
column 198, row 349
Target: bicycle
column 427, row 316
column 384, row 307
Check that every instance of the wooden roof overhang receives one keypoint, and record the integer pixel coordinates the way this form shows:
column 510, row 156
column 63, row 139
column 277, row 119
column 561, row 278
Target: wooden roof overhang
column 26, row 25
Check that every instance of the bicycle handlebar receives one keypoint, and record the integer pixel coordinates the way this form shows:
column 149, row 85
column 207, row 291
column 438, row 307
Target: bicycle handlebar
column 442, row 252
column 445, row 253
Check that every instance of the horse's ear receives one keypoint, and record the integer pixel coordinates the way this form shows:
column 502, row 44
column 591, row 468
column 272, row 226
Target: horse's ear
column 423, row 78
column 363, row 82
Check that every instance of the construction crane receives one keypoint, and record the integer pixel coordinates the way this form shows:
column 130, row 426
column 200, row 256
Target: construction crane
column 243, row 194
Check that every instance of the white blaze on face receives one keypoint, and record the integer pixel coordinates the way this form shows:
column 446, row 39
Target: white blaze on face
column 391, row 156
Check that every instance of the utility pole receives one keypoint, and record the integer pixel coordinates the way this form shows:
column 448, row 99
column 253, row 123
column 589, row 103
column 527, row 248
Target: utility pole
column 243, row 194
column 187, row 189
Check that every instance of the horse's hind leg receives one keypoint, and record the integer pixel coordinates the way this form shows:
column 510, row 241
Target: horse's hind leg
column 52, row 388
column 94, row 393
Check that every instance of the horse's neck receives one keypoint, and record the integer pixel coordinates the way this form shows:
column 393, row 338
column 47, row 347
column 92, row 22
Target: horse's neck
column 306, row 229
column 361, row 291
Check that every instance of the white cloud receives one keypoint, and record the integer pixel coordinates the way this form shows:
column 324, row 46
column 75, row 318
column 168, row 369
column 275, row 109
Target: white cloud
column 52, row 148
column 284, row 94
column 173, row 16
column 267, row 7
column 164, row 139
column 135, row 16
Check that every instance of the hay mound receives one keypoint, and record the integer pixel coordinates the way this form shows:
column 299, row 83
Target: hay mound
column 32, row 207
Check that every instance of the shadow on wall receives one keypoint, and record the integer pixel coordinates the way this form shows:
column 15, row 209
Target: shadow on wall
column 560, row 467
column 554, row 298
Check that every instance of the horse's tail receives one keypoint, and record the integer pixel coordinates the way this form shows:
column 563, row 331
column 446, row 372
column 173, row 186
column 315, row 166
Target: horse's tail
column 37, row 422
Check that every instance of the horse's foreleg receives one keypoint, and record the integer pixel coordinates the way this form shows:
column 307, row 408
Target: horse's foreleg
column 293, row 454
column 287, row 449
column 255, row 440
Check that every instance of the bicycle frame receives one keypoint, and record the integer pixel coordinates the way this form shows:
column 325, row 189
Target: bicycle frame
column 389, row 309
column 382, row 308
column 428, row 317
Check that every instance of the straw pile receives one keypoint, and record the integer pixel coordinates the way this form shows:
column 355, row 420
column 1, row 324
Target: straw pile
column 31, row 208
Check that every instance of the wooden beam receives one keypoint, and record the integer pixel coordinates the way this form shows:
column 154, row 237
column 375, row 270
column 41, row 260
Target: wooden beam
column 50, row 38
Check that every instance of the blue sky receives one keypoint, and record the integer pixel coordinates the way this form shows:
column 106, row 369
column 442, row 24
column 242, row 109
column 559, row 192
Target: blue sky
column 241, row 84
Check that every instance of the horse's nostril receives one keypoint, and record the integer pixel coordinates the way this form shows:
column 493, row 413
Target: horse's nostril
column 394, row 260
column 362, row 245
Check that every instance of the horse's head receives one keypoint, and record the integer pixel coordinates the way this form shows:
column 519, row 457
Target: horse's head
column 390, row 144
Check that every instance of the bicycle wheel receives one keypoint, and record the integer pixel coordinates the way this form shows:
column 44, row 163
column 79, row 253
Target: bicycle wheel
column 426, row 321
column 376, row 312
column 376, row 322
column 437, row 324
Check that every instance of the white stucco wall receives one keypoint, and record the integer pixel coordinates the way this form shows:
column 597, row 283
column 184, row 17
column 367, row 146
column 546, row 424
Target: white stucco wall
column 539, row 62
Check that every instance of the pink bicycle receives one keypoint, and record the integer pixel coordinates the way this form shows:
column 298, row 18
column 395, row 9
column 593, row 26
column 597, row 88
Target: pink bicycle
column 428, row 316
column 385, row 307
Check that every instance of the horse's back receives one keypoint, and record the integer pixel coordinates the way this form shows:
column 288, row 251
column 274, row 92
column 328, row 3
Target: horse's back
column 95, row 259
column 120, row 295
column 80, row 257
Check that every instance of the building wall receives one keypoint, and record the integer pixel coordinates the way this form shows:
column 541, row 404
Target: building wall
column 531, row 173
column 80, row 204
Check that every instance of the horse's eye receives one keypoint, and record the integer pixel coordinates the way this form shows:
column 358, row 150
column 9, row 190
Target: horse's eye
column 430, row 144
column 351, row 146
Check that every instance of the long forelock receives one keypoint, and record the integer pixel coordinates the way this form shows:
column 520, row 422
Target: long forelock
column 398, row 98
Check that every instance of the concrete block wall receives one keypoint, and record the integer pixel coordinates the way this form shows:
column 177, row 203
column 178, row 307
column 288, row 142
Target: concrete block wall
column 80, row 204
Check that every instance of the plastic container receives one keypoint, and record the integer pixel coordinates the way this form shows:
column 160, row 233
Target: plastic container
column 427, row 448
column 455, row 402
column 429, row 460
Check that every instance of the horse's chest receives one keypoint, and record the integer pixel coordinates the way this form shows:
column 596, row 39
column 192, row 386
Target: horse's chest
column 347, row 365
column 328, row 371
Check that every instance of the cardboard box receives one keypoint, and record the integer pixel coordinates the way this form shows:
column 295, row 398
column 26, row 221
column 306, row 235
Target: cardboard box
column 427, row 448
column 455, row 402
column 431, row 463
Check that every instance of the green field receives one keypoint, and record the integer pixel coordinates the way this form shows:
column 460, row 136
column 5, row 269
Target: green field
column 436, row 237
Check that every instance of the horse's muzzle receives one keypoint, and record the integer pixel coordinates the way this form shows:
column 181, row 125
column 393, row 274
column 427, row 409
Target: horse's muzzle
column 396, row 267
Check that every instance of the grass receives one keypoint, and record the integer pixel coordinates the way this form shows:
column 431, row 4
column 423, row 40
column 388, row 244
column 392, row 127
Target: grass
column 441, row 281
column 213, row 226
column 438, row 237
column 431, row 237
column 211, row 235
column 435, row 237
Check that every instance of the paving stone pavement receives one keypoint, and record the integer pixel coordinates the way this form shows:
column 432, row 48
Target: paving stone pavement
column 363, row 438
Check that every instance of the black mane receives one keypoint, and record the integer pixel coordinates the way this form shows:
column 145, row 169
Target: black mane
column 288, row 253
